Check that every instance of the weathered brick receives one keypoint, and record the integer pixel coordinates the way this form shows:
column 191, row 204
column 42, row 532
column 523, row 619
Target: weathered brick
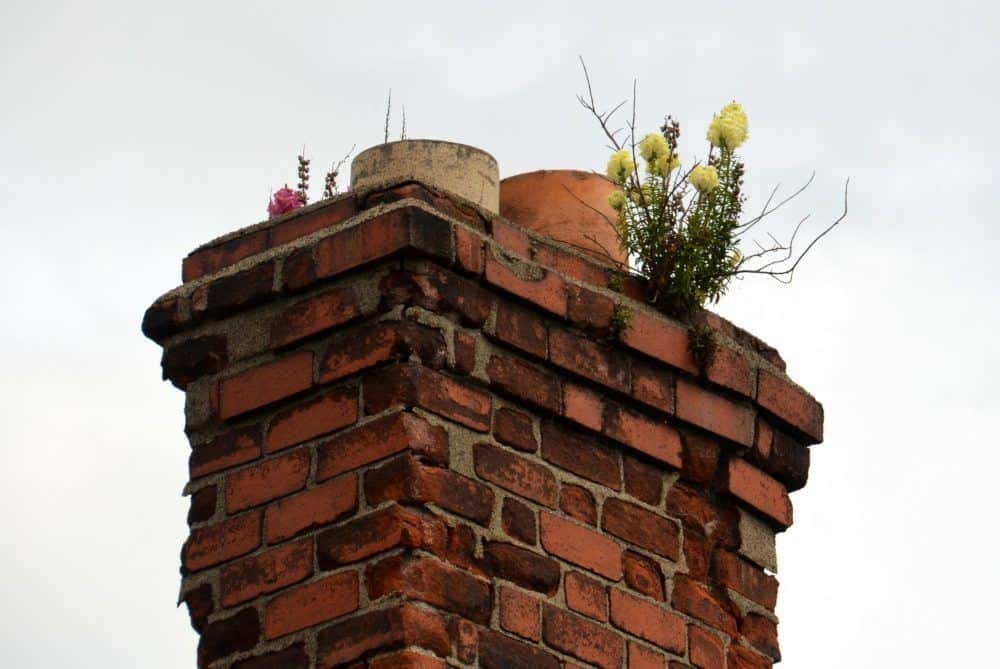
column 714, row 413
column 394, row 627
column 498, row 651
column 520, row 614
column 581, row 455
column 191, row 359
column 311, row 604
column 512, row 238
column 313, row 508
column 519, row 522
column 264, row 384
column 234, row 634
column 223, row 541
column 571, row 264
column 585, row 357
column 653, row 385
column 356, row 350
column 582, row 406
column 660, row 339
column 437, row 290
column 516, row 474
column 314, row 315
column 201, row 604
column 648, row 621
column 641, row 657
column 389, row 527
column 521, row 566
column 308, row 420
column 465, row 639
column 791, row 404
column 759, row 490
column 266, row 572
column 748, row 580
column 465, row 352
column 528, row 281
column 581, row 546
column 698, row 601
column 404, row 479
column 234, row 292
column 589, row 310
column 406, row 659
column 526, row 381
column 522, row 328
column 582, row 639
column 781, row 456
column 643, row 575
column 266, row 481
column 411, row 385
column 292, row 657
column 298, row 271
column 643, row 480
column 741, row 657
column 202, row 505
column 643, row 528
column 515, row 429
column 586, row 595
column 642, row 433
column 305, row 223
column 762, row 634
column 378, row 439
column 211, row 259
column 433, row 582
column 700, row 455
column 578, row 502
column 731, row 369
column 469, row 250
column 707, row 651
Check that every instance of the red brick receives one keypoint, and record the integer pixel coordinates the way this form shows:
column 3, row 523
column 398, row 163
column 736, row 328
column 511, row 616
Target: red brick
column 653, row 385
column 313, row 508
column 745, row 578
column 582, row 406
column 522, row 328
column 691, row 505
column 791, row 404
column 498, row 651
column 762, row 634
column 266, row 572
column 781, row 456
column 433, row 582
column 298, row 270
column 379, row 439
column 653, row 438
column 643, row 575
column 741, row 657
column 698, row 601
column 327, row 216
column 707, row 651
column 326, row 413
column 516, row 474
column 264, row 384
column 642, row 528
column 759, row 490
column 411, row 385
column 582, row 639
column 519, row 521
column 581, row 455
column 461, row 548
column 465, row 638
column 583, row 356
column 358, row 245
column 211, row 259
column 266, row 481
column 234, row 292
column 203, row 503
column 370, row 345
column 512, row 238
column 313, row 315
column 586, row 595
column 465, row 352
column 589, row 310
column 394, row 627
column 406, row 659
column 520, row 614
column 581, row 546
column 578, row 503
column 437, row 290
column 469, row 250
column 714, row 413
column 223, row 541
column 731, row 368
column 701, row 456
column 292, row 657
column 404, row 479
column 190, row 359
column 640, row 657
column 515, row 429
column 643, row 480
column 660, row 339
column 548, row 290
column 311, row 604
column 648, row 621
column 236, row 633
column 521, row 566
column 570, row 264
column 389, row 527
column 164, row 317
column 525, row 381
column 228, row 450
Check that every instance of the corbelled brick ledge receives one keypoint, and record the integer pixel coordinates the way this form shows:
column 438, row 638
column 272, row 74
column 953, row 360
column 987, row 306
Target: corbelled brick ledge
column 418, row 441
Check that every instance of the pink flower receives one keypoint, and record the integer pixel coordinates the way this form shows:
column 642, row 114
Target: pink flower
column 284, row 201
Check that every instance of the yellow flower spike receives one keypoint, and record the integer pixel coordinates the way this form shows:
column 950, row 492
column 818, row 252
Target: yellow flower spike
column 704, row 178
column 620, row 166
column 665, row 164
column 729, row 128
column 617, row 200
column 652, row 147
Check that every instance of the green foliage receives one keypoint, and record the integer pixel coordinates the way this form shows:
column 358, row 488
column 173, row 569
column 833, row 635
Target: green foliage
column 621, row 318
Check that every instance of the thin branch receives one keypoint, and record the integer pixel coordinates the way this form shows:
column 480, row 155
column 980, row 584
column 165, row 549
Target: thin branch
column 591, row 106
column 388, row 111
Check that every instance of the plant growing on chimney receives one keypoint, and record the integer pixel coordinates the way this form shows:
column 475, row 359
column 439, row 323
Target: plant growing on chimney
column 286, row 199
column 683, row 228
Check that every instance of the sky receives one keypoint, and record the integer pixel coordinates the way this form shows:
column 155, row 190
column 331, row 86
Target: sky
column 132, row 132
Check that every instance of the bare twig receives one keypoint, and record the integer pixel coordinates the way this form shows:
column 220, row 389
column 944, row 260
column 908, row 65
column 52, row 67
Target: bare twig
column 402, row 132
column 388, row 111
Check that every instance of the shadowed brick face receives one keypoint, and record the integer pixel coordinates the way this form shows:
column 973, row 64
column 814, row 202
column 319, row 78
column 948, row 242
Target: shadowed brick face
column 417, row 442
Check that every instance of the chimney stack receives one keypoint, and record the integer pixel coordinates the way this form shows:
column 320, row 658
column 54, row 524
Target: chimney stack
column 424, row 437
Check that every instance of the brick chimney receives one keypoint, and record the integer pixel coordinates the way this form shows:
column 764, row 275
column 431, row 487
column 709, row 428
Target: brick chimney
column 418, row 440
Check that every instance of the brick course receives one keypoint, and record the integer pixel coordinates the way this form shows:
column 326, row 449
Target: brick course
column 418, row 442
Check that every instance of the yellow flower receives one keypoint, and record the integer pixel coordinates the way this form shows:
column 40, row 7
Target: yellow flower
column 617, row 200
column 729, row 128
column 647, row 195
column 620, row 166
column 665, row 164
column 652, row 147
column 704, row 178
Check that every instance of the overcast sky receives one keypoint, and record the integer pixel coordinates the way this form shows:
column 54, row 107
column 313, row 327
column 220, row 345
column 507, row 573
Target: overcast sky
column 131, row 132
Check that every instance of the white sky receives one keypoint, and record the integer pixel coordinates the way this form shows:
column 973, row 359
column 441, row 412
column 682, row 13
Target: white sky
column 132, row 132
